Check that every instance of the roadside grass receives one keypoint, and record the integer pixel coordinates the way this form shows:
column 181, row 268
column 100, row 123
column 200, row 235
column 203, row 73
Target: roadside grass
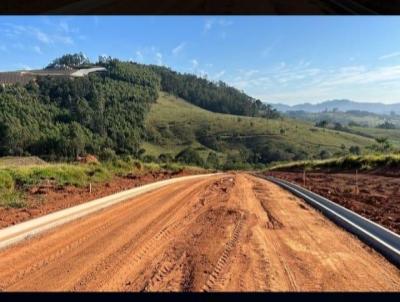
column 361, row 162
column 16, row 180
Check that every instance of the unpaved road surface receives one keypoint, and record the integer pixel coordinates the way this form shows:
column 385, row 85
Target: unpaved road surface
column 230, row 232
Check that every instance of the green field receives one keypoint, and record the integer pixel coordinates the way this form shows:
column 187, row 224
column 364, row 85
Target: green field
column 392, row 134
column 173, row 124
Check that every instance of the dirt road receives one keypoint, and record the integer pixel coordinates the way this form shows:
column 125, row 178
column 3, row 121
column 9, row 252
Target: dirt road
column 231, row 232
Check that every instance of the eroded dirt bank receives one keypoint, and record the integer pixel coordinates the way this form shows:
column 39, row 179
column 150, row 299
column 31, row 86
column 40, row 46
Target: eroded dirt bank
column 45, row 199
column 231, row 232
column 378, row 197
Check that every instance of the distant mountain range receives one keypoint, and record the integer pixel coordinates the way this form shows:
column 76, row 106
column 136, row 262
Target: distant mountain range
column 341, row 105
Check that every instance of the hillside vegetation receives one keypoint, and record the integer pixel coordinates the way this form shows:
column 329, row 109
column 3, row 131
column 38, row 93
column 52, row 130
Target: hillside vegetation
column 174, row 125
column 60, row 118
column 157, row 115
column 351, row 162
column 215, row 97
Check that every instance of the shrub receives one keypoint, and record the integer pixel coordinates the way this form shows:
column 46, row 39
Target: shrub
column 107, row 154
column 324, row 154
column 6, row 182
column 165, row 158
column 189, row 156
column 212, row 160
column 355, row 150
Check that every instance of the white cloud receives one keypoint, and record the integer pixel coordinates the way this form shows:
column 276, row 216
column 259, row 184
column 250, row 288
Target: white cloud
column 64, row 26
column 301, row 82
column 224, row 22
column 139, row 55
column 24, row 66
column 96, row 21
column 195, row 63
column 16, row 31
column 63, row 40
column 178, row 48
column 37, row 49
column 390, row 55
column 220, row 22
column 218, row 75
column 159, row 58
column 208, row 24
column 41, row 36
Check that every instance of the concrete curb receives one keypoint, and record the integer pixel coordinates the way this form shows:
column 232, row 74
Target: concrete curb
column 16, row 233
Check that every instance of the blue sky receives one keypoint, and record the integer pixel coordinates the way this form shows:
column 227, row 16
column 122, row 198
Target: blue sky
column 274, row 58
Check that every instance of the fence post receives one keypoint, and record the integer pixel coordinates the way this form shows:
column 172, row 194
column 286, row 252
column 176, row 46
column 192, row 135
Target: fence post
column 357, row 191
column 90, row 188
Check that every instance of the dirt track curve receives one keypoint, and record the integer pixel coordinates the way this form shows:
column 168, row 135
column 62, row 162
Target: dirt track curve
column 231, row 232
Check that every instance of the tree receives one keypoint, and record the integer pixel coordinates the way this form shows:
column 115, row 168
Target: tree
column 166, row 158
column 61, row 118
column 212, row 160
column 321, row 124
column 383, row 144
column 324, row 154
column 70, row 60
column 189, row 156
column 386, row 125
column 355, row 150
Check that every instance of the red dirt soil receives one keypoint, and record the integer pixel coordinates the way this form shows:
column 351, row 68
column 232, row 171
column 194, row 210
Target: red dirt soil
column 378, row 198
column 47, row 199
column 226, row 232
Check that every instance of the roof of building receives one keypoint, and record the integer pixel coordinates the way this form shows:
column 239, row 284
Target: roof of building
column 24, row 76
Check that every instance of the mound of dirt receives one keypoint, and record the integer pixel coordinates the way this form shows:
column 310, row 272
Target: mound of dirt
column 88, row 159
column 16, row 161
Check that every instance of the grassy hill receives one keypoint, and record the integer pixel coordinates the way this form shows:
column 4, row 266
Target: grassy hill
column 363, row 118
column 392, row 134
column 173, row 124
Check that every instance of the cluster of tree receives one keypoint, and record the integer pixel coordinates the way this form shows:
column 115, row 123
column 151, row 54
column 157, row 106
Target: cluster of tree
column 321, row 124
column 216, row 97
column 382, row 145
column 387, row 125
column 60, row 118
column 188, row 156
column 78, row 60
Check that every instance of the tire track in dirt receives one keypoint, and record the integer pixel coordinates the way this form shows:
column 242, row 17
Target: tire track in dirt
column 226, row 233
column 114, row 222
column 174, row 229
column 214, row 278
column 127, row 257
